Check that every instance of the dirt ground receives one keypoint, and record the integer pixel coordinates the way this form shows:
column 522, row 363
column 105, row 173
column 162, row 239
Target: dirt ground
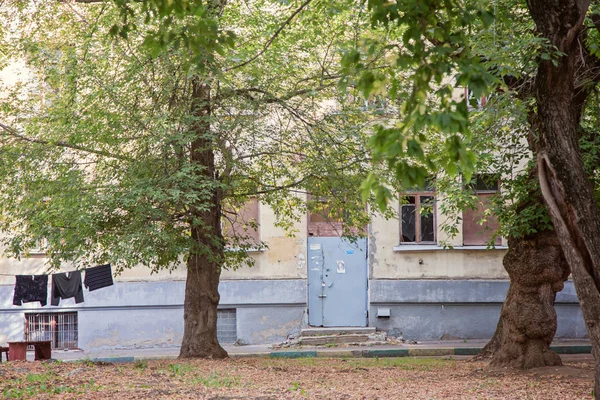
column 312, row 378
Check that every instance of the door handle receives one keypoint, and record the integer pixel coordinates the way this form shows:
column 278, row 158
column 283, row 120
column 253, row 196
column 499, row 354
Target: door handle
column 322, row 295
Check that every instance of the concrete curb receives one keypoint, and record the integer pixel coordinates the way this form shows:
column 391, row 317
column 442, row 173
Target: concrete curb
column 580, row 349
column 409, row 352
column 348, row 353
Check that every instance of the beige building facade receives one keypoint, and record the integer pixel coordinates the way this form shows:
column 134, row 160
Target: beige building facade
column 420, row 289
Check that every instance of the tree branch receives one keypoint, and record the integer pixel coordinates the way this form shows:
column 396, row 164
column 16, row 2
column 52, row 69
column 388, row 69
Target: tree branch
column 269, row 98
column 272, row 38
column 577, row 252
column 59, row 143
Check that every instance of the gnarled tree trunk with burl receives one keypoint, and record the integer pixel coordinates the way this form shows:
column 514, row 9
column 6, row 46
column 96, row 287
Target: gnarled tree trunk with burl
column 537, row 269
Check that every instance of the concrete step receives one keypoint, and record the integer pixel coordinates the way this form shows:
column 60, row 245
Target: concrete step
column 350, row 330
column 332, row 339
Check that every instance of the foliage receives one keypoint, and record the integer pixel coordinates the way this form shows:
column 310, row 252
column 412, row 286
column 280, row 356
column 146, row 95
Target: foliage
column 437, row 52
column 426, row 46
column 96, row 136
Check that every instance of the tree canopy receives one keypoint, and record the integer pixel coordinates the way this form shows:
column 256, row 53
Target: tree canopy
column 96, row 136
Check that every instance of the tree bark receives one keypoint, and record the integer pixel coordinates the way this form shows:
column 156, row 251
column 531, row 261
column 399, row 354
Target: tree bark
column 565, row 184
column 206, row 257
column 537, row 270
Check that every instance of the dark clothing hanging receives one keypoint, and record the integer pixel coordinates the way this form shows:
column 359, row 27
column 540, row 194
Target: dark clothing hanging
column 66, row 286
column 30, row 288
column 98, row 277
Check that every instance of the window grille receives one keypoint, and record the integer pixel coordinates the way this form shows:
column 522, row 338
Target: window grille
column 59, row 328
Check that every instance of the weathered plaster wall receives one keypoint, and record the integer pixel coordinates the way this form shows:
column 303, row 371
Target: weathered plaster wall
column 285, row 258
column 469, row 309
column 150, row 314
column 390, row 260
column 269, row 324
column 10, row 267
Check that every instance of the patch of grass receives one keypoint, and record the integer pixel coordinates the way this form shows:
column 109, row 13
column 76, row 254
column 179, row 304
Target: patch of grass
column 37, row 384
column 296, row 387
column 488, row 383
column 90, row 386
column 288, row 362
column 405, row 363
column 217, row 380
column 180, row 369
column 38, row 378
column 141, row 364
column 18, row 393
column 86, row 362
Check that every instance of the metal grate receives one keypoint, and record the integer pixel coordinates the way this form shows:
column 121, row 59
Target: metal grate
column 59, row 328
column 227, row 325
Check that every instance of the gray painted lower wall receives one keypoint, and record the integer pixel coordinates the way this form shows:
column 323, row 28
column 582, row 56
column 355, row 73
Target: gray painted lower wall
column 450, row 291
column 466, row 309
column 150, row 314
column 462, row 321
column 269, row 325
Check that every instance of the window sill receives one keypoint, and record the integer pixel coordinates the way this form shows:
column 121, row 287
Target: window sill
column 435, row 247
column 251, row 250
column 36, row 253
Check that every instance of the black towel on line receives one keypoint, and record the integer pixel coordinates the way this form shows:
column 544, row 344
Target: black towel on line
column 66, row 286
column 30, row 288
column 98, row 277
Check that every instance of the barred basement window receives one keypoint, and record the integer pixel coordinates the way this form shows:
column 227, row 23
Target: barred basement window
column 59, row 328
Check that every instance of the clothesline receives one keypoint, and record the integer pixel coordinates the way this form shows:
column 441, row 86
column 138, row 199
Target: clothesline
column 65, row 285
column 83, row 269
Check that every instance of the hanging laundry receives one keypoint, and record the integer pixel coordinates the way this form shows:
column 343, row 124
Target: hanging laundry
column 98, row 277
column 30, row 288
column 65, row 286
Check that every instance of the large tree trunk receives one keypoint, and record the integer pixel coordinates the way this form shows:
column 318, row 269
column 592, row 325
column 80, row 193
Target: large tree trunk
column 537, row 270
column 204, row 263
column 565, row 185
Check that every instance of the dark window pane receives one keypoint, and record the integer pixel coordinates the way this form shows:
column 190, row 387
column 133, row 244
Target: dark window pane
column 426, row 214
column 427, row 227
column 408, row 222
column 408, row 200
column 426, row 204
column 486, row 182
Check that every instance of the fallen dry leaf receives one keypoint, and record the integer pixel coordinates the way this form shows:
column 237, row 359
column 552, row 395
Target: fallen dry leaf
column 312, row 378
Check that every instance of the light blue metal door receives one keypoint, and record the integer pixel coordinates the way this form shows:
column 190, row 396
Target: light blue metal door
column 337, row 282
